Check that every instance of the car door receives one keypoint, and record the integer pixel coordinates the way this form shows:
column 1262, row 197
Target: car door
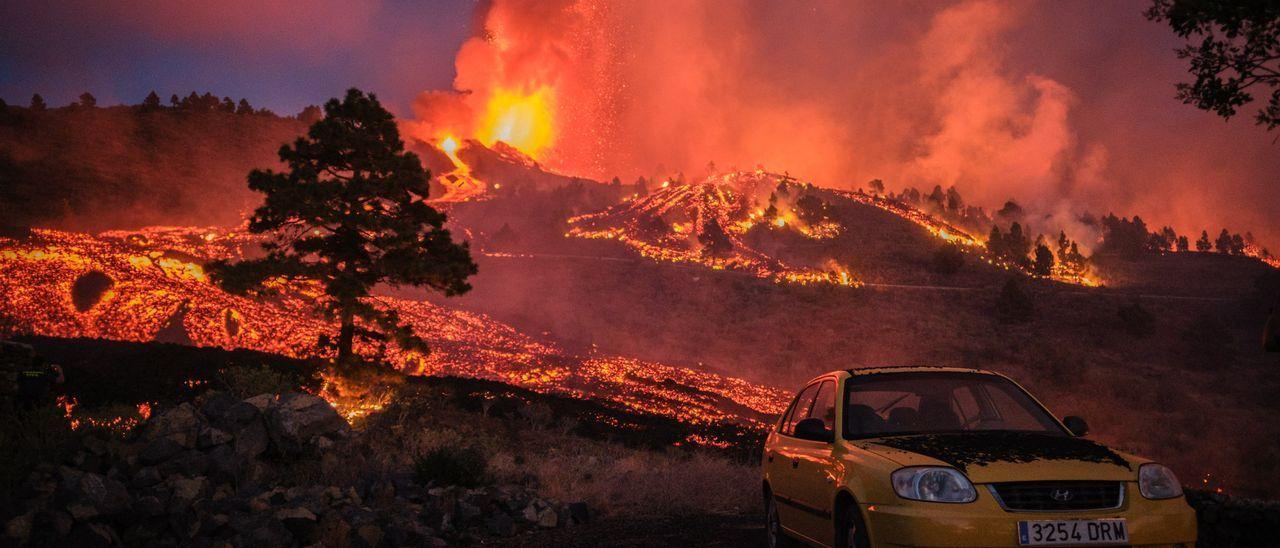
column 782, row 461
column 813, row 470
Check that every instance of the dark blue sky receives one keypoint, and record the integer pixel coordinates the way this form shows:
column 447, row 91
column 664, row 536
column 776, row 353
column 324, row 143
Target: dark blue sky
column 279, row 55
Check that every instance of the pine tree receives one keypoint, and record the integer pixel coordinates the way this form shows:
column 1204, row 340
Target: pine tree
column 955, row 203
column 349, row 214
column 87, row 100
column 1203, row 245
column 1223, row 243
column 243, row 107
column 151, row 103
column 310, row 114
column 1183, row 243
column 37, row 103
column 1043, row 264
column 173, row 101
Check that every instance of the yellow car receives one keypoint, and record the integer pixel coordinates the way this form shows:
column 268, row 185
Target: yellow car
column 934, row 456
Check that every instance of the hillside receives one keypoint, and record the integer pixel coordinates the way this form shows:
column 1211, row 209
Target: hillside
column 125, row 167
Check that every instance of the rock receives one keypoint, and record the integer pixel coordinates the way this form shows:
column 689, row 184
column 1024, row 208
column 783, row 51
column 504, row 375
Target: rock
column 300, row 522
column 146, row 477
column 92, row 534
column 548, row 518
column 210, row 436
column 262, row 401
column 297, row 420
column 333, row 530
column 48, row 525
column 98, row 495
column 159, row 450
column 19, row 528
column 186, row 490
column 149, row 506
column 370, row 534
column 189, row 463
column 251, row 440
column 180, row 424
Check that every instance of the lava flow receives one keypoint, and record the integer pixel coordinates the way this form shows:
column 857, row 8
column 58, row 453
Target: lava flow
column 149, row 285
column 711, row 223
column 704, row 223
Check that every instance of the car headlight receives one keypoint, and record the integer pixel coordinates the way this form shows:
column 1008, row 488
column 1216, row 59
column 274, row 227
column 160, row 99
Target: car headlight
column 933, row 484
column 1158, row 482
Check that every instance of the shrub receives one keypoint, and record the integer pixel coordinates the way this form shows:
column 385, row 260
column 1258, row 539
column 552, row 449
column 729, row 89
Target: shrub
column 449, row 465
column 947, row 259
column 246, row 382
column 1136, row 320
column 1228, row 521
column 1014, row 304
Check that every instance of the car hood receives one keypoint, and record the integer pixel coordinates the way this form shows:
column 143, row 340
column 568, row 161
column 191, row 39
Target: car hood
column 987, row 457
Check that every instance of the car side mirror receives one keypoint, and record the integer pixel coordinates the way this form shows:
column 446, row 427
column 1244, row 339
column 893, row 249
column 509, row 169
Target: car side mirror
column 814, row 429
column 1076, row 425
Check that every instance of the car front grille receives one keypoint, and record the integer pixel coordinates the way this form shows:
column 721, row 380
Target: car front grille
column 1051, row 496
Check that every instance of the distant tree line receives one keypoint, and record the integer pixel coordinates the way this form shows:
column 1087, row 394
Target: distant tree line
column 193, row 102
column 1131, row 237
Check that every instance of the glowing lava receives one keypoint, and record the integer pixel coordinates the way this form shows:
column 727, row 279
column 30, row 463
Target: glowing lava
column 157, row 284
column 525, row 121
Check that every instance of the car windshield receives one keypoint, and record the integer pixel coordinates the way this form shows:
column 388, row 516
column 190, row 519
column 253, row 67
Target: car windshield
column 893, row 404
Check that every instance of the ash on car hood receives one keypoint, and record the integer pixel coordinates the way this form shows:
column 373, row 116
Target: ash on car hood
column 1009, row 456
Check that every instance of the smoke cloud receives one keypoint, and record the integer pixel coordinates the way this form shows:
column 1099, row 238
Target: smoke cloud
column 1065, row 109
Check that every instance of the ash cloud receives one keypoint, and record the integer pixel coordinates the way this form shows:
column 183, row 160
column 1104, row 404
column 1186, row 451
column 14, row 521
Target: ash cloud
column 1064, row 108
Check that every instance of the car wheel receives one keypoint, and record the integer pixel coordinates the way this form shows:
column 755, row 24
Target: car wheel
column 773, row 525
column 850, row 530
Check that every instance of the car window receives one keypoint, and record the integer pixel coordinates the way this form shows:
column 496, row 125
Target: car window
column 966, row 405
column 799, row 410
column 1008, row 414
column 923, row 403
column 824, row 404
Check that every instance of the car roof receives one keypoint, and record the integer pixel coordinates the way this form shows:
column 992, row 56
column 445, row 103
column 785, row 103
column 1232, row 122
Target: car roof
column 895, row 369
column 879, row 370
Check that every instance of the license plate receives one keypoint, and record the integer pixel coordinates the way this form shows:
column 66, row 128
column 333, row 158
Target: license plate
column 1073, row 532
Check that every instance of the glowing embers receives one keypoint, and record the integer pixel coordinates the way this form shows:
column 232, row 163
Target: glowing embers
column 708, row 224
column 155, row 285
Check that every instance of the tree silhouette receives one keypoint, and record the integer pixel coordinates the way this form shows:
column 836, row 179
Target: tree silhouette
column 349, row 215
column 243, row 107
column 1203, row 244
column 87, row 100
column 1043, row 264
column 37, row 103
column 1223, row 243
column 877, row 186
column 151, row 103
column 1238, row 51
column 310, row 114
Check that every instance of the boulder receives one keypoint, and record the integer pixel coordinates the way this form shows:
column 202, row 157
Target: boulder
column 18, row 529
column 180, row 425
column 96, row 495
column 252, row 440
column 159, row 450
column 296, row 421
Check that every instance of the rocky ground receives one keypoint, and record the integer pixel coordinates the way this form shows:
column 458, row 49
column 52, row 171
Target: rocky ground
column 227, row 472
